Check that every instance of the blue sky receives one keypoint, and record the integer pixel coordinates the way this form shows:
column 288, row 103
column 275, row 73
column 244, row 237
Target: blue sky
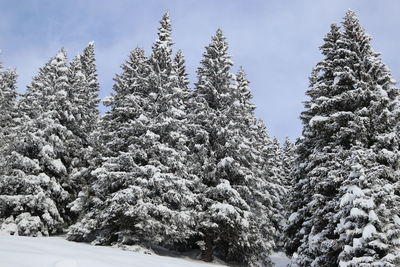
column 276, row 42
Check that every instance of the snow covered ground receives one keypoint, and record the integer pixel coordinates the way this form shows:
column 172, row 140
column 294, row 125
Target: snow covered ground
column 17, row 251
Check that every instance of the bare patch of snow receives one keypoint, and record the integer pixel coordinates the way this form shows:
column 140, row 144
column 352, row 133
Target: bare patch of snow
column 20, row 251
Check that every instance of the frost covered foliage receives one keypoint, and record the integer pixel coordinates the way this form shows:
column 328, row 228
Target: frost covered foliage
column 9, row 115
column 345, row 200
column 288, row 156
column 84, row 148
column 165, row 166
column 237, row 195
column 183, row 169
column 33, row 198
column 48, row 145
column 143, row 193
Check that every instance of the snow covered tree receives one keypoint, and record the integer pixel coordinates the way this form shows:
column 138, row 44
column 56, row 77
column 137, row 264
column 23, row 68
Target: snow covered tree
column 225, row 151
column 91, row 97
column 269, row 190
column 171, row 187
column 34, row 190
column 299, row 222
column 9, row 116
column 84, row 91
column 114, row 190
column 143, row 191
column 180, row 71
column 78, row 123
column 288, row 159
column 222, row 206
column 345, row 201
column 9, row 121
column 265, row 181
column 369, row 213
column 84, row 148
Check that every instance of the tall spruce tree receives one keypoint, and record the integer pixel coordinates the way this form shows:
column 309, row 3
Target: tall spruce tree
column 77, row 124
column 35, row 189
column 269, row 189
column 288, row 159
column 84, row 148
column 91, row 96
column 9, row 116
column 344, row 203
column 225, row 155
column 259, row 157
column 223, row 207
column 180, row 71
column 143, row 190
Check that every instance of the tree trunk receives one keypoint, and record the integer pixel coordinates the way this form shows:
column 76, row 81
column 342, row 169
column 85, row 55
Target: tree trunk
column 207, row 253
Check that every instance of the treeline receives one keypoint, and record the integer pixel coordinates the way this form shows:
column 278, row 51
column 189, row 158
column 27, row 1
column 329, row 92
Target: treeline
column 167, row 166
column 180, row 168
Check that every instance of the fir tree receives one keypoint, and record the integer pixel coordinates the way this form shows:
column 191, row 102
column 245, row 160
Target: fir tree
column 143, row 190
column 348, row 150
column 225, row 150
column 180, row 70
column 288, row 159
column 103, row 213
column 85, row 148
column 90, row 96
column 34, row 191
column 10, row 116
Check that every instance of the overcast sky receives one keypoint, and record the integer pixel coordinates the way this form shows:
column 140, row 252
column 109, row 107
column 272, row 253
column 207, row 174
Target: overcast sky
column 276, row 42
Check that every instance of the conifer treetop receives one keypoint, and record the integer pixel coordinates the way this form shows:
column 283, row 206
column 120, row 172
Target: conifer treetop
column 179, row 63
column 214, row 76
column 218, row 47
column 162, row 48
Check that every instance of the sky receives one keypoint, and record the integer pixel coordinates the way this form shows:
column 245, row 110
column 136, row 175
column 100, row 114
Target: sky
column 276, row 42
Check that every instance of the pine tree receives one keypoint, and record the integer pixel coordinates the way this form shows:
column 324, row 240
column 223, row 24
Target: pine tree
column 347, row 164
column 216, row 215
column 299, row 222
column 106, row 211
column 288, row 159
column 85, row 148
column 143, row 190
column 172, row 189
column 180, row 70
column 77, row 124
column 269, row 190
column 34, row 191
column 372, row 239
column 91, row 95
column 10, row 116
column 264, row 174
column 225, row 152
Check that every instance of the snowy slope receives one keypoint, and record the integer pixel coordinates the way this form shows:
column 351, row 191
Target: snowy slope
column 16, row 251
